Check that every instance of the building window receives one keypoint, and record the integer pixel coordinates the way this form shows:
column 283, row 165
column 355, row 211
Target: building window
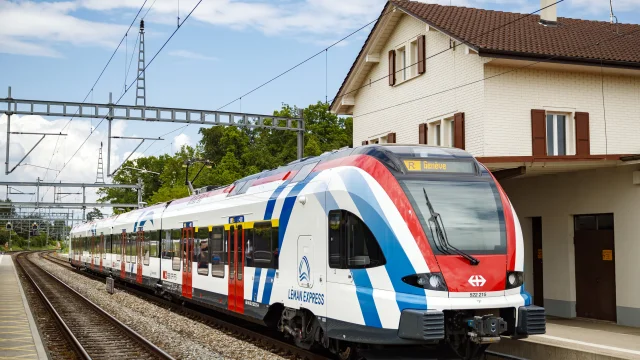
column 351, row 244
column 556, row 134
column 414, row 58
column 401, row 60
column 441, row 132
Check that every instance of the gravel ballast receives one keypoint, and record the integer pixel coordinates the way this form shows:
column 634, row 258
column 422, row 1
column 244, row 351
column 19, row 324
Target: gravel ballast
column 179, row 336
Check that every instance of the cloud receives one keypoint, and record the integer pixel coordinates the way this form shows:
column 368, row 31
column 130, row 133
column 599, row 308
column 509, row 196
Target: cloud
column 82, row 168
column 191, row 55
column 31, row 28
column 180, row 140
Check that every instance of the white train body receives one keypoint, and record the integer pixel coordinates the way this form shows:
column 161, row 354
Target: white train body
column 336, row 249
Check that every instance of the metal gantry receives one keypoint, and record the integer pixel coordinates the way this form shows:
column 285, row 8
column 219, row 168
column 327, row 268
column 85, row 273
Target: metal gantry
column 111, row 111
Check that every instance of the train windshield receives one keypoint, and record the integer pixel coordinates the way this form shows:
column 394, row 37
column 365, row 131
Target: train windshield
column 470, row 210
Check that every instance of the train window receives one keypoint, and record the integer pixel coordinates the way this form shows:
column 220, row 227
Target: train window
column 237, row 188
column 176, row 234
column 167, row 249
column 245, row 187
column 115, row 239
column 201, row 250
column 304, row 172
column 146, row 247
column 103, row 244
column 218, row 251
column 351, row 244
column 264, row 249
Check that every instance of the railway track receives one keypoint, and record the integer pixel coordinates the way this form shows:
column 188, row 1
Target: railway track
column 271, row 340
column 93, row 333
column 253, row 333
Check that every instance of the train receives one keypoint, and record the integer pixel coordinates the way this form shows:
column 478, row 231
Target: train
column 359, row 248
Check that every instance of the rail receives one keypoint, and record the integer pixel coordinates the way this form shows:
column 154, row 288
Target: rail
column 82, row 350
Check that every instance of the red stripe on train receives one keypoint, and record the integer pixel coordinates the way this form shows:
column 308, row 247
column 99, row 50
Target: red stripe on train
column 391, row 186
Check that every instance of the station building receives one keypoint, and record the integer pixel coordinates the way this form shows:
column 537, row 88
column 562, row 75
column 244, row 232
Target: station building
column 550, row 105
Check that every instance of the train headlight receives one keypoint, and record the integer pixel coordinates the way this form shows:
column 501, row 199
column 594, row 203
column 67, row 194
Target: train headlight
column 429, row 281
column 514, row 279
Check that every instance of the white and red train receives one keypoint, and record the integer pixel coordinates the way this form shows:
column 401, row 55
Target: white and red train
column 377, row 245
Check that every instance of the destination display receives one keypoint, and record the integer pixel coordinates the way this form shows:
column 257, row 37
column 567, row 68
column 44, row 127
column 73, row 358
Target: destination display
column 441, row 166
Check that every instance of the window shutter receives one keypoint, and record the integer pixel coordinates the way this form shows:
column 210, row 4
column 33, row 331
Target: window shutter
column 392, row 67
column 422, row 131
column 583, row 144
column 538, row 133
column 458, row 132
column 391, row 138
column 422, row 54
column 365, row 142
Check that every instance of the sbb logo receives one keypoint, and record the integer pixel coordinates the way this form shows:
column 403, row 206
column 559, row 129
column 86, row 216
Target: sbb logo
column 164, row 274
column 477, row 280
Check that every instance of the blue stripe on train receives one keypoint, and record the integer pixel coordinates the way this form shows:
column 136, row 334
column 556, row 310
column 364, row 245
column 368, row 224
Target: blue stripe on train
column 525, row 295
column 287, row 207
column 407, row 296
column 364, row 292
column 256, row 284
column 268, row 286
column 271, row 204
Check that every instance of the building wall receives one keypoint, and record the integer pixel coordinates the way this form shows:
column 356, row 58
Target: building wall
column 557, row 198
column 443, row 71
column 510, row 97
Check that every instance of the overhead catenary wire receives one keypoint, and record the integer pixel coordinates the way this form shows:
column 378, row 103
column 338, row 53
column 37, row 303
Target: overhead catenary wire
column 130, row 85
column 95, row 83
column 617, row 36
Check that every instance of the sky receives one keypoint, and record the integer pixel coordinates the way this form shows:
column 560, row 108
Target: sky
column 55, row 50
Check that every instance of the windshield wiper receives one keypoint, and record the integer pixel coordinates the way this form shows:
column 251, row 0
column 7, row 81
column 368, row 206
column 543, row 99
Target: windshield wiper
column 441, row 234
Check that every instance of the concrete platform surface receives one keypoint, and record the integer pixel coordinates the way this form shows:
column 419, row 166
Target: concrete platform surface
column 577, row 339
column 19, row 337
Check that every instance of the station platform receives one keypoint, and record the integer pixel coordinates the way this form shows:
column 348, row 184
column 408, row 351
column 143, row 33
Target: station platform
column 19, row 337
column 576, row 339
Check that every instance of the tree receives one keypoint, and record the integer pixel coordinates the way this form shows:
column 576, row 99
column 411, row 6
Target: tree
column 235, row 153
column 94, row 214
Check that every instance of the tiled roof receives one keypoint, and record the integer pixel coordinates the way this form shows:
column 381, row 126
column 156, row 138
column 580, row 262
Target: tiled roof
column 497, row 32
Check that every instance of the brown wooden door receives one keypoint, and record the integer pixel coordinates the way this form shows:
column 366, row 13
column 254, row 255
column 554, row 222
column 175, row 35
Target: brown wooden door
column 595, row 271
column 538, row 291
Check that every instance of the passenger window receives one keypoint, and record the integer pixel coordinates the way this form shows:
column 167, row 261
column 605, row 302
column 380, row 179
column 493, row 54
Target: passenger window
column 167, row 248
column 265, row 246
column 351, row 243
column 176, row 234
column 201, row 250
column 218, row 250
column 304, row 172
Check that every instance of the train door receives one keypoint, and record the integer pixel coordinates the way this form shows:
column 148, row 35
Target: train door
column 123, row 250
column 93, row 250
column 139, row 243
column 186, row 253
column 101, row 249
column 235, row 254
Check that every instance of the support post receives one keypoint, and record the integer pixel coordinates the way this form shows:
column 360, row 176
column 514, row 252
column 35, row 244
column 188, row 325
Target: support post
column 109, row 119
column 37, row 191
column 301, row 135
column 6, row 170
column 140, row 192
column 84, row 200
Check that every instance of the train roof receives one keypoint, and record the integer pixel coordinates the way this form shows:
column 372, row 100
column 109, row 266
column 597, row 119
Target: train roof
column 388, row 154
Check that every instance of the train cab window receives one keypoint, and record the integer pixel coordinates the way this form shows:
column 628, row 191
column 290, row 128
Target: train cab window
column 237, row 188
column 264, row 247
column 304, row 172
column 351, row 244
column 201, row 250
column 176, row 235
column 218, row 251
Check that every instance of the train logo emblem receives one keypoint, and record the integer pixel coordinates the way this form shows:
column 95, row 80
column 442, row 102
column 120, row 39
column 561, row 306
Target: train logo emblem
column 304, row 273
column 477, row 280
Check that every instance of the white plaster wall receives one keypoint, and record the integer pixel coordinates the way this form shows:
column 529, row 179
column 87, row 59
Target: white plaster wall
column 509, row 98
column 557, row 198
column 443, row 72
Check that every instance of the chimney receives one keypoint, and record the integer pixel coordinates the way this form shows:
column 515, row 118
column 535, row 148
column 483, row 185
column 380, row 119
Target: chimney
column 549, row 12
